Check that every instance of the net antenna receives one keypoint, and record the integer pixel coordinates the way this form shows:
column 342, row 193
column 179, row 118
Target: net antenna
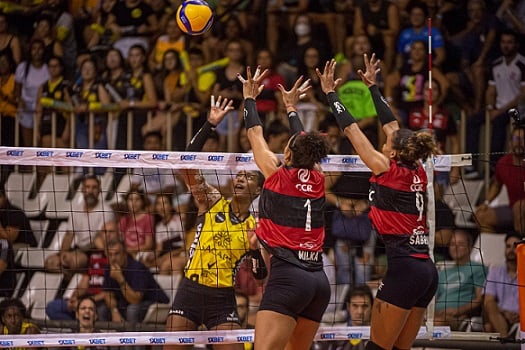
column 430, row 121
column 429, row 168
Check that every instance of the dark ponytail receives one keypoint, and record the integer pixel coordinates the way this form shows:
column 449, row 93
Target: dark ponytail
column 412, row 146
column 308, row 149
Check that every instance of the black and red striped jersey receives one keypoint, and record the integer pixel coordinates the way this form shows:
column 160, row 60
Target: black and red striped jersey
column 97, row 265
column 398, row 203
column 291, row 221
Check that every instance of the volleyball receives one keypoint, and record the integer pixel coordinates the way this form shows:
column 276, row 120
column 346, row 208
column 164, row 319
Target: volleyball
column 194, row 17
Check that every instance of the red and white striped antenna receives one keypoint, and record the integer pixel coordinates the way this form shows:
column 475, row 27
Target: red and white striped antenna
column 430, row 73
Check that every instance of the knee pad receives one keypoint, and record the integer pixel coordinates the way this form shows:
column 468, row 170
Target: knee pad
column 373, row 346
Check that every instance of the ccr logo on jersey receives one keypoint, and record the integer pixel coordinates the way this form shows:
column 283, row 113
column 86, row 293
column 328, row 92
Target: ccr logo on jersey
column 303, row 175
column 304, row 187
column 417, row 184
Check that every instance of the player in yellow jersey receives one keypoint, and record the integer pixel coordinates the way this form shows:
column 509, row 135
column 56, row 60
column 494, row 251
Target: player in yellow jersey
column 13, row 316
column 224, row 237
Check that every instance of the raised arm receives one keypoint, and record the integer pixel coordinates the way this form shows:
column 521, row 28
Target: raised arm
column 290, row 99
column 375, row 160
column 205, row 194
column 252, row 86
column 384, row 113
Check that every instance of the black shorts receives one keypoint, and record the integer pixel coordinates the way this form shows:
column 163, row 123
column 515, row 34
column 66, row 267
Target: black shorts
column 409, row 282
column 296, row 292
column 205, row 305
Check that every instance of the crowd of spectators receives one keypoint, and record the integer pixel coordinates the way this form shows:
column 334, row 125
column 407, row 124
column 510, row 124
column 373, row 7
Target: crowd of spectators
column 116, row 59
column 142, row 63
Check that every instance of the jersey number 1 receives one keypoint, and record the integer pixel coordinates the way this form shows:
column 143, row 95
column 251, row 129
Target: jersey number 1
column 308, row 223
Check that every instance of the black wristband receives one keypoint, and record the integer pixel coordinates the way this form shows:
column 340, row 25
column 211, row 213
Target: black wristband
column 251, row 117
column 197, row 142
column 384, row 113
column 342, row 115
column 259, row 270
column 295, row 123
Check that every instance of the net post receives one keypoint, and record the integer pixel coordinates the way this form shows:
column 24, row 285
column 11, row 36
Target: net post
column 430, row 116
column 431, row 223
column 520, row 255
column 429, row 168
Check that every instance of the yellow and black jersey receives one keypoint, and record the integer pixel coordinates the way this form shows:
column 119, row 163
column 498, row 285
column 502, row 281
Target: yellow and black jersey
column 219, row 245
column 23, row 330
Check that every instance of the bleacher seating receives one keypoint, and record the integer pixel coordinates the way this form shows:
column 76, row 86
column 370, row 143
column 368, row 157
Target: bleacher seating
column 39, row 228
column 56, row 242
column 54, row 192
column 336, row 311
column 42, row 288
column 106, row 181
column 18, row 189
column 72, row 285
column 33, row 258
column 158, row 313
column 122, row 187
column 462, row 198
column 501, row 199
column 489, row 249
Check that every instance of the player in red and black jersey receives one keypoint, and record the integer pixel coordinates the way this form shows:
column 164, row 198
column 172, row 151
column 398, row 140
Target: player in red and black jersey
column 291, row 225
column 397, row 211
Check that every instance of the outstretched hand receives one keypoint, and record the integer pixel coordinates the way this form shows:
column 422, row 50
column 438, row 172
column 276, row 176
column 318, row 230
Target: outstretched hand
column 372, row 69
column 252, row 86
column 328, row 84
column 218, row 109
column 292, row 96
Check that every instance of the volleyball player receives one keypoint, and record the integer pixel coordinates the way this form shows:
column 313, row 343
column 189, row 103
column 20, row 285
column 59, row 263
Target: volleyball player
column 291, row 225
column 397, row 211
column 224, row 226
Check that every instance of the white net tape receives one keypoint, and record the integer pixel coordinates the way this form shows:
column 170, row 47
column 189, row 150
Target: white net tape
column 180, row 160
column 186, row 338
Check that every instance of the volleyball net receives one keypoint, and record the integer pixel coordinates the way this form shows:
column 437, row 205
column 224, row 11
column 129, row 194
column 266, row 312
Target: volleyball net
column 46, row 184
